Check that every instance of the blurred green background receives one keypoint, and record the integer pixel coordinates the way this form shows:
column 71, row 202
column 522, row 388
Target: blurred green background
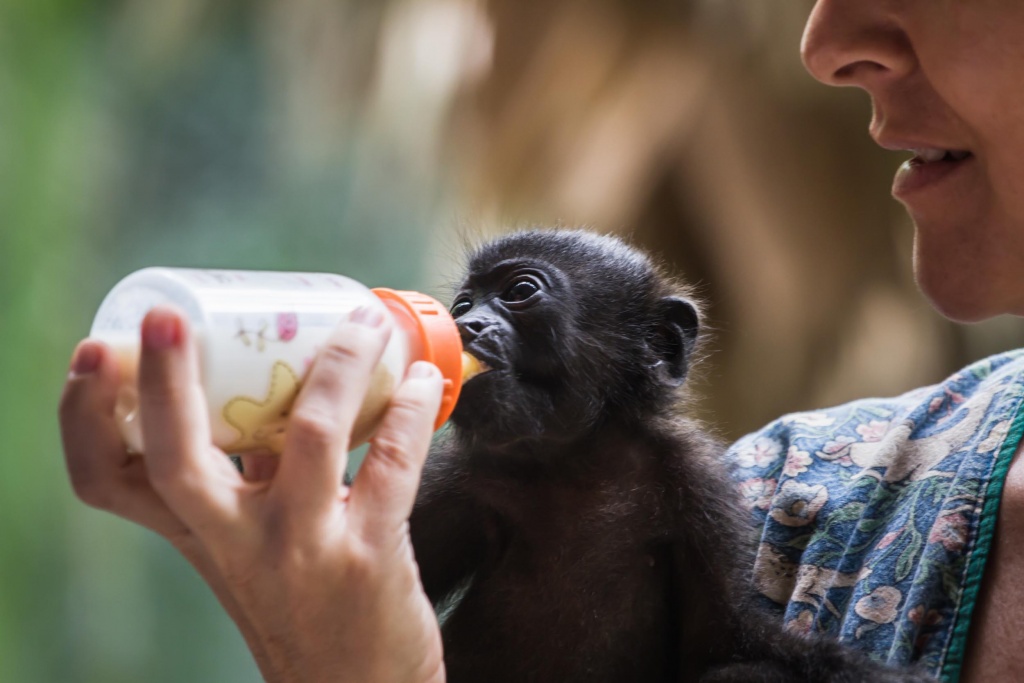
column 374, row 139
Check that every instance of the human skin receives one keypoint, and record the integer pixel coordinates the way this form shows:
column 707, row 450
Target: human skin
column 943, row 74
column 947, row 74
column 319, row 578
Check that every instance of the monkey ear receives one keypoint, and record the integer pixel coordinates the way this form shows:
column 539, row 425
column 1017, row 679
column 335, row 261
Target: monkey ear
column 676, row 338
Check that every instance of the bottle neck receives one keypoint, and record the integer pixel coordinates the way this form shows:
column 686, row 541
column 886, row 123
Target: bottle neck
column 433, row 336
column 407, row 325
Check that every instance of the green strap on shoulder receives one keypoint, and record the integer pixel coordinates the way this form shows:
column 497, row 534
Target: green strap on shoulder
column 954, row 661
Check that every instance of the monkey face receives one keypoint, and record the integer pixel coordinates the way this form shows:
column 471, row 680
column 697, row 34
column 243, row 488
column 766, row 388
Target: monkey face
column 511, row 317
column 577, row 329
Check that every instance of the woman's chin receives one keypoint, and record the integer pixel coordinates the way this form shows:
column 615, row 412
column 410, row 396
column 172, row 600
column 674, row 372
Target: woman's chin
column 958, row 300
column 971, row 268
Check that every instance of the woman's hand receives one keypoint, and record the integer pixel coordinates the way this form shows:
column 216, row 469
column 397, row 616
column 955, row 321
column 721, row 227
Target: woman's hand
column 320, row 578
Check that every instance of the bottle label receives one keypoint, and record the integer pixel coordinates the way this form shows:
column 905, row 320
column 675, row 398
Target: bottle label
column 257, row 335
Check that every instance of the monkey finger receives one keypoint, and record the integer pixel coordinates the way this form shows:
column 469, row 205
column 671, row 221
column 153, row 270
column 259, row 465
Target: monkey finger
column 309, row 475
column 198, row 483
column 103, row 474
column 382, row 495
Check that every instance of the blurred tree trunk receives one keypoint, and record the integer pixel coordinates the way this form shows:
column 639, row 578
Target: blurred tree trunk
column 694, row 129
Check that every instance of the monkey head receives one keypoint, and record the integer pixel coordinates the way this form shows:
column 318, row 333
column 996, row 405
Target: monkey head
column 579, row 330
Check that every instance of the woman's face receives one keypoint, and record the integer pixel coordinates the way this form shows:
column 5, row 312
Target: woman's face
column 946, row 78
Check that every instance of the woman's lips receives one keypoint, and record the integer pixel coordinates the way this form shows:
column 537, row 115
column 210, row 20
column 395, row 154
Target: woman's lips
column 918, row 176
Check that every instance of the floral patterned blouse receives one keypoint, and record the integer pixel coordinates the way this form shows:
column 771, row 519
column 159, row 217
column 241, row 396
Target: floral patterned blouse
column 878, row 515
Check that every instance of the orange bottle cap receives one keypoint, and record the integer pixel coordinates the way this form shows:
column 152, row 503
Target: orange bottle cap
column 439, row 338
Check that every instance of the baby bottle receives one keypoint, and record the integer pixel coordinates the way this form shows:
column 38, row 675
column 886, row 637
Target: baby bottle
column 257, row 333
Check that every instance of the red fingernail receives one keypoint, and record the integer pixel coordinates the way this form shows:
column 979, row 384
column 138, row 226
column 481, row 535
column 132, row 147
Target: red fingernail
column 161, row 332
column 364, row 315
column 86, row 360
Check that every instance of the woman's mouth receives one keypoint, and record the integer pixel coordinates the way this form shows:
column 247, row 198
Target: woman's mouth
column 929, row 169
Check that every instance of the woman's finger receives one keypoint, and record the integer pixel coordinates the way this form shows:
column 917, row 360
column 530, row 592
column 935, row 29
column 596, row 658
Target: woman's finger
column 259, row 466
column 385, row 489
column 309, row 476
column 93, row 450
column 197, row 481
column 103, row 474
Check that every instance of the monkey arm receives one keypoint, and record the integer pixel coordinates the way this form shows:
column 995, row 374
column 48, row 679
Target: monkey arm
column 708, row 628
column 447, row 527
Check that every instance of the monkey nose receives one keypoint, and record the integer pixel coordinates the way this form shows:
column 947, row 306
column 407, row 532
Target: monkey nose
column 476, row 326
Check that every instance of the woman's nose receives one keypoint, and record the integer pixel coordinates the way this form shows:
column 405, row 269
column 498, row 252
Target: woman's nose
column 857, row 43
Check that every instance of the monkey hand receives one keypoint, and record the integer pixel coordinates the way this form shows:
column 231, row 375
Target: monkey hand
column 319, row 577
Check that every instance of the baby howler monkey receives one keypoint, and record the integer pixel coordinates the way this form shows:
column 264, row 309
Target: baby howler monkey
column 572, row 526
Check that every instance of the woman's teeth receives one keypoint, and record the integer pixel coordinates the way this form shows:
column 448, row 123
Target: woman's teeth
column 929, row 155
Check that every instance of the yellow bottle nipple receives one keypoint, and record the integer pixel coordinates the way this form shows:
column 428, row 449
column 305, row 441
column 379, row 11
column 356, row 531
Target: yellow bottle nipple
column 471, row 367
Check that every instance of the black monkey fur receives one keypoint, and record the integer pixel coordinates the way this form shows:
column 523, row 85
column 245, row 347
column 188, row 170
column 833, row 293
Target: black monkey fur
column 587, row 531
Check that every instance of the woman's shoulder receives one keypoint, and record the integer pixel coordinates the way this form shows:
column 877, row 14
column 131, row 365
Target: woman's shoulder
column 871, row 512
column 922, row 410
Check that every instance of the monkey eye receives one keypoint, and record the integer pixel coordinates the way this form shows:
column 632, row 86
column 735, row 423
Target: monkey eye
column 461, row 307
column 521, row 289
